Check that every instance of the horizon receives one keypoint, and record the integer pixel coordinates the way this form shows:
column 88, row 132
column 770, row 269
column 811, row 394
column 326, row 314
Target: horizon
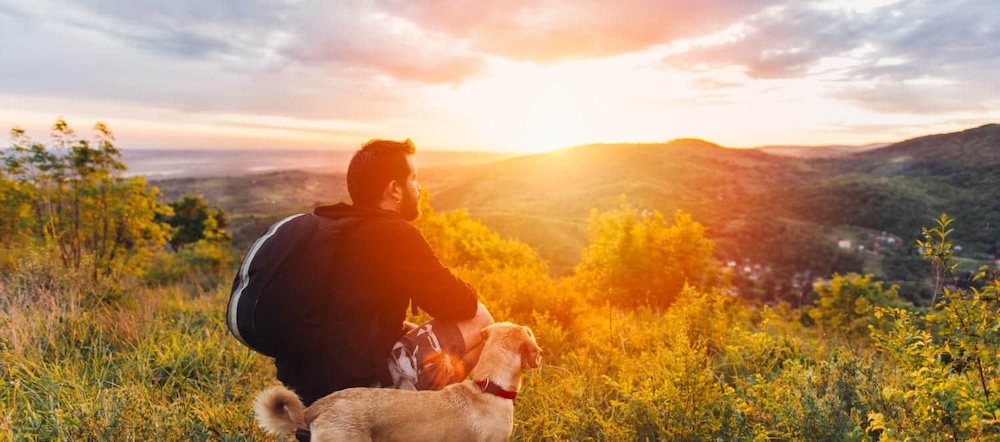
column 872, row 145
column 775, row 148
column 503, row 78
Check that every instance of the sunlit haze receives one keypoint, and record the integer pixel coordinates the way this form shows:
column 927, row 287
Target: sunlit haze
column 506, row 76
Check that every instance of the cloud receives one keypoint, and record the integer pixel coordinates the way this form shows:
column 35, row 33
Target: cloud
column 946, row 59
column 916, row 56
column 241, row 35
column 256, row 35
column 357, row 37
column 403, row 64
column 314, row 61
column 912, row 99
column 565, row 29
column 781, row 42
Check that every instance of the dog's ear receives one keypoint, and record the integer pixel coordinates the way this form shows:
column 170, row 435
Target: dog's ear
column 531, row 353
column 528, row 330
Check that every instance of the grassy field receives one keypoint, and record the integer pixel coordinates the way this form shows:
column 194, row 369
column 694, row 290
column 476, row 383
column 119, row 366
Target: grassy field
column 158, row 364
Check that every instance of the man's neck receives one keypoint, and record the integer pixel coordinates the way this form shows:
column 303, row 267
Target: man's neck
column 388, row 206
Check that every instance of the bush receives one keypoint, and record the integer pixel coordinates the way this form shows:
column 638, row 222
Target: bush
column 948, row 359
column 508, row 273
column 846, row 304
column 634, row 258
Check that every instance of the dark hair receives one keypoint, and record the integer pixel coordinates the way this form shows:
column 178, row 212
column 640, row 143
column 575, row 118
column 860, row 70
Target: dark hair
column 373, row 166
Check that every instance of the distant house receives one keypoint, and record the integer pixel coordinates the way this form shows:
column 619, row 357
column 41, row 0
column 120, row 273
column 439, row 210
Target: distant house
column 844, row 244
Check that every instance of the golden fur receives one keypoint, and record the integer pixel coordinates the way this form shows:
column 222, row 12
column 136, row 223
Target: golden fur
column 458, row 412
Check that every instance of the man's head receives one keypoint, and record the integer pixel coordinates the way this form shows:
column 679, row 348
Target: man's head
column 382, row 175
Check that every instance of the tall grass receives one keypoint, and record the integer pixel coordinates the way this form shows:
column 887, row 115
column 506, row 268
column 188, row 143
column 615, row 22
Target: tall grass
column 158, row 364
column 707, row 369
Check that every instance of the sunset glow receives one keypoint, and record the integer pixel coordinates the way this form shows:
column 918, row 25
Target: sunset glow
column 518, row 77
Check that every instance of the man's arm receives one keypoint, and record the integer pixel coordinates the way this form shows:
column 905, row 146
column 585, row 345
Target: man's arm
column 418, row 272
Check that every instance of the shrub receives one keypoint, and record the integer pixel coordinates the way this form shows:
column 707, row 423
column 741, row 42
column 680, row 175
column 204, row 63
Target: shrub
column 634, row 258
column 508, row 273
column 948, row 359
column 846, row 304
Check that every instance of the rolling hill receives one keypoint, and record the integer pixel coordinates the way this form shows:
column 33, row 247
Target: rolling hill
column 783, row 213
column 933, row 155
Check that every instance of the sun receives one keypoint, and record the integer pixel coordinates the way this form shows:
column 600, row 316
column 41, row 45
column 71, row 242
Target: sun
column 554, row 120
column 528, row 108
column 562, row 105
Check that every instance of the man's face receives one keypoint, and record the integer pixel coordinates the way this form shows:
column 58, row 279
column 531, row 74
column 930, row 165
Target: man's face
column 409, row 207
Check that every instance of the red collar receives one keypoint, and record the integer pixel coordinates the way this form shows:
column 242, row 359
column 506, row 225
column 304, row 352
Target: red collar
column 490, row 387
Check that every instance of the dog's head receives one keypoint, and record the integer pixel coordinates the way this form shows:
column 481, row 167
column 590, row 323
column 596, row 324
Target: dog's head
column 517, row 339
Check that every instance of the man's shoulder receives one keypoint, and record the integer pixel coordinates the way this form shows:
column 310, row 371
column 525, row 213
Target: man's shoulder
column 371, row 223
column 366, row 215
column 390, row 226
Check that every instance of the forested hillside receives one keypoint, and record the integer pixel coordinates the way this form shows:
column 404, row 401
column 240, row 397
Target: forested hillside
column 783, row 218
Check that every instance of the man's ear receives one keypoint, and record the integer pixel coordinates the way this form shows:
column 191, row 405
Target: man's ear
column 485, row 332
column 393, row 192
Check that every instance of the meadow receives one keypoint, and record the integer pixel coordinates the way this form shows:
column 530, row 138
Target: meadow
column 156, row 362
column 113, row 328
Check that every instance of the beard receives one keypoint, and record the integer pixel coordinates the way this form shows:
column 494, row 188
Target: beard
column 409, row 208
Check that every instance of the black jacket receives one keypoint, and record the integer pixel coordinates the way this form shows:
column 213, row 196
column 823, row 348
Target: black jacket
column 342, row 338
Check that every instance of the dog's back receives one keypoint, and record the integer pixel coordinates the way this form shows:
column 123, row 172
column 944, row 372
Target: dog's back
column 460, row 412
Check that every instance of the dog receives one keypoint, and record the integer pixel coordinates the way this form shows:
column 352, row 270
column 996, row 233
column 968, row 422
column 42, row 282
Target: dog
column 477, row 409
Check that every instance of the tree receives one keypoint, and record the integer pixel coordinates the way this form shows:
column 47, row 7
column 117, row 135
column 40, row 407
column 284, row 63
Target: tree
column 71, row 199
column 635, row 258
column 193, row 219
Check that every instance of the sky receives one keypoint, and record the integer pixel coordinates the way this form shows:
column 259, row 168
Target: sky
column 520, row 76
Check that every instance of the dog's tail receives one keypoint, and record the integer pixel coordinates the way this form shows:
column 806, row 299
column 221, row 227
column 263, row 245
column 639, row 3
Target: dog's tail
column 279, row 411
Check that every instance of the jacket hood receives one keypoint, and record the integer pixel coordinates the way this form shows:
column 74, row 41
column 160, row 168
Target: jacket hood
column 344, row 210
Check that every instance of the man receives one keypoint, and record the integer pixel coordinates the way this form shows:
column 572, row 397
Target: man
column 382, row 264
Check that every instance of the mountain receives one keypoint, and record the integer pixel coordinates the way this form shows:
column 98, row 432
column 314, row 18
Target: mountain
column 902, row 187
column 546, row 199
column 943, row 154
column 574, row 180
column 783, row 214
column 817, row 151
